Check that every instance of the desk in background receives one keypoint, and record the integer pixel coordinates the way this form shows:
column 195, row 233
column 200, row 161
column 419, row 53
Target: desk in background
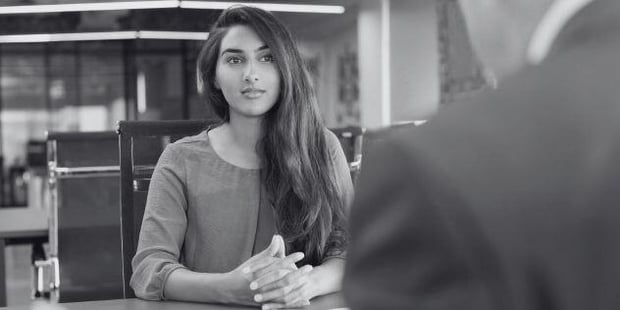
column 18, row 224
column 331, row 301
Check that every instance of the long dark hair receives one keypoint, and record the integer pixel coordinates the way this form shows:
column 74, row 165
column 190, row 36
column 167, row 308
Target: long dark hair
column 297, row 167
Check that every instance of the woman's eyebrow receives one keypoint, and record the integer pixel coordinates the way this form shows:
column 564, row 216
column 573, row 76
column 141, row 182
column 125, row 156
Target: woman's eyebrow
column 239, row 51
column 232, row 50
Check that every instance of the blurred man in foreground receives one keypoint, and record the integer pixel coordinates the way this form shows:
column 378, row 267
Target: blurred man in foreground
column 512, row 200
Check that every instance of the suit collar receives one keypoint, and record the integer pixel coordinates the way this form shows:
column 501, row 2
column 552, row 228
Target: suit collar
column 599, row 21
column 556, row 17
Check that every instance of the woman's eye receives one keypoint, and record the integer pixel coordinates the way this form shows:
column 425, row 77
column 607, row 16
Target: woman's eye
column 233, row 60
column 267, row 58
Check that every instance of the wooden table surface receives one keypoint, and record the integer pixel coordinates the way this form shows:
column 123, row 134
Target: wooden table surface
column 332, row 301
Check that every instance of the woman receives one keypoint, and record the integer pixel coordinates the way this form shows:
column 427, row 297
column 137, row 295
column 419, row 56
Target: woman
column 217, row 199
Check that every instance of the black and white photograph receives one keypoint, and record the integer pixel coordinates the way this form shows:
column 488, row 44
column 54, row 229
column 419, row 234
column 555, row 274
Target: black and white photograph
column 310, row 154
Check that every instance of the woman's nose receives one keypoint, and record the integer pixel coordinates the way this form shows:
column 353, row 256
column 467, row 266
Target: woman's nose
column 250, row 75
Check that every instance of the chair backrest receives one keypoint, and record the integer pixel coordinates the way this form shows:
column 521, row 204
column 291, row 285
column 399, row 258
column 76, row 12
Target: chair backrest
column 84, row 223
column 374, row 138
column 351, row 139
column 140, row 145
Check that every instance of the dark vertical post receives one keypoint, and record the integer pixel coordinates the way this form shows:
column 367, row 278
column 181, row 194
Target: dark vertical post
column 2, row 274
column 127, row 213
column 2, row 189
column 129, row 78
column 78, row 72
column 185, row 80
column 47, row 74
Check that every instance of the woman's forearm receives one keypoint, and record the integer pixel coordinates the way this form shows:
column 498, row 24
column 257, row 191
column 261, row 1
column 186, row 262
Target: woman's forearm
column 327, row 277
column 186, row 285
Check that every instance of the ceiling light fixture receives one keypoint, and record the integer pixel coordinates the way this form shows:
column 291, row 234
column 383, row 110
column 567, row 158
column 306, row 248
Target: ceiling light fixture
column 167, row 4
column 103, row 36
column 278, row 7
column 172, row 35
column 81, row 7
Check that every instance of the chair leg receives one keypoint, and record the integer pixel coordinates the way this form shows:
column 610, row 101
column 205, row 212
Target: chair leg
column 38, row 270
column 2, row 274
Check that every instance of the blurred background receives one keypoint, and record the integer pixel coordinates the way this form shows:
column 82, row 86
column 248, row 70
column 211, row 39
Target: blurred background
column 375, row 64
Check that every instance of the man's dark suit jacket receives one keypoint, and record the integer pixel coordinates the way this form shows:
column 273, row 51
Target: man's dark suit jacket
column 510, row 201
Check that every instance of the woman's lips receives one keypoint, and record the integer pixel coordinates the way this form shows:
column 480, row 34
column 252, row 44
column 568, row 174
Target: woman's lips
column 252, row 93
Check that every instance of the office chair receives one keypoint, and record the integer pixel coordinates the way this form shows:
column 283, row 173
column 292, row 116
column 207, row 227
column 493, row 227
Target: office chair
column 351, row 140
column 84, row 233
column 140, row 145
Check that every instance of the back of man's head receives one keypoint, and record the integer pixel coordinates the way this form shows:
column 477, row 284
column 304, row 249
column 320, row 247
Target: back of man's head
column 501, row 30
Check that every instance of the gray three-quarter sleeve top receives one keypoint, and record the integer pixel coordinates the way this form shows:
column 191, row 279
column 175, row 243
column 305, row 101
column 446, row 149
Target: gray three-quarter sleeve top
column 205, row 214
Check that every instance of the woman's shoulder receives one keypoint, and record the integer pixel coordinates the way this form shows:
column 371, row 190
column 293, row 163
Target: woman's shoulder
column 332, row 142
column 190, row 145
column 331, row 139
column 193, row 140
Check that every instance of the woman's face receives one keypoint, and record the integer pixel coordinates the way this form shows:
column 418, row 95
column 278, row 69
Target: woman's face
column 246, row 73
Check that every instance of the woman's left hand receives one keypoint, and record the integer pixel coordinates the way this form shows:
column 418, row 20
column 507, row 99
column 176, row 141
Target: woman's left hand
column 277, row 289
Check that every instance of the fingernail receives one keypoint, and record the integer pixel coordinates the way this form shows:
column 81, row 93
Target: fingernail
column 246, row 270
column 258, row 297
column 306, row 268
column 265, row 307
column 253, row 285
column 299, row 255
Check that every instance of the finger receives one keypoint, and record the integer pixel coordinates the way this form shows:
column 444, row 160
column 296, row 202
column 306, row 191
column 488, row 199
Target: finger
column 279, row 288
column 271, row 277
column 289, row 279
column 276, row 296
column 287, row 296
column 265, row 265
column 270, row 251
column 298, row 296
column 273, row 248
column 262, row 268
column 259, row 264
column 298, row 304
column 281, row 252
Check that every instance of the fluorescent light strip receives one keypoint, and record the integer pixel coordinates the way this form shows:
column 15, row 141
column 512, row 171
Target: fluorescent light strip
column 166, row 4
column 172, row 35
column 79, row 7
column 280, row 7
column 103, row 36
column 57, row 37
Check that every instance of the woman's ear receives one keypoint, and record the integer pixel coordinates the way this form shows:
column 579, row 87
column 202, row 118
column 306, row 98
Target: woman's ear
column 216, row 84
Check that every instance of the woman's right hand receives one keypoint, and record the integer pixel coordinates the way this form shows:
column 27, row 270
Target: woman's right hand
column 239, row 279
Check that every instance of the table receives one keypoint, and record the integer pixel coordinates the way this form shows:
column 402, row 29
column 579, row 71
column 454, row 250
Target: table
column 19, row 223
column 331, row 301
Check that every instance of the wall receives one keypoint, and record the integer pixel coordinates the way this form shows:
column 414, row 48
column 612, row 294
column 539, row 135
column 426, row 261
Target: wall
column 414, row 61
column 399, row 71
column 374, row 75
column 337, row 82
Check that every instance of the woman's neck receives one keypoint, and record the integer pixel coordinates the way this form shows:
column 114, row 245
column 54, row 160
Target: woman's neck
column 245, row 132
